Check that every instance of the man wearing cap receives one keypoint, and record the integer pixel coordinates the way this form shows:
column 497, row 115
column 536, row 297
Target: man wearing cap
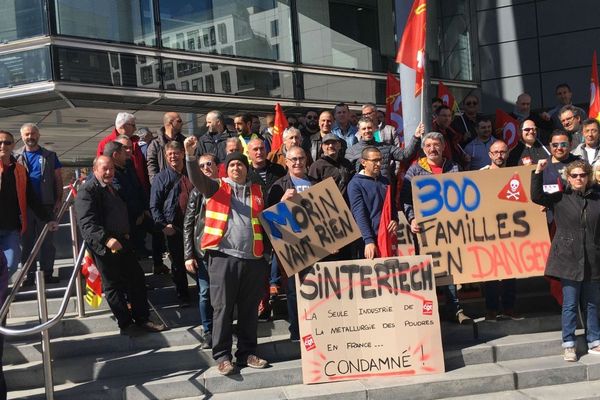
column 233, row 242
column 332, row 164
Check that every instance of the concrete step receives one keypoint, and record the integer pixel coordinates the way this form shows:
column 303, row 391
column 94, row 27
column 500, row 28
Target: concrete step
column 111, row 342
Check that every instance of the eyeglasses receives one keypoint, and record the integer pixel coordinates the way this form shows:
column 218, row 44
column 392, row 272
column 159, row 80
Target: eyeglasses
column 564, row 145
column 497, row 153
column 295, row 160
column 568, row 119
column 529, row 129
column 6, row 142
column 574, row 176
column 471, row 103
column 176, row 120
column 373, row 160
column 207, row 164
column 311, row 117
column 366, row 114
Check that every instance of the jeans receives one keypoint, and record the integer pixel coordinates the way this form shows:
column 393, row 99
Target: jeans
column 589, row 295
column 206, row 310
column 9, row 244
column 452, row 304
column 275, row 276
column 492, row 294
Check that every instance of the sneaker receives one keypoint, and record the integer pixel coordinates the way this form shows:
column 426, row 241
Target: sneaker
column 570, row 354
column 253, row 361
column 206, row 341
column 160, row 269
column 595, row 350
column 510, row 314
column 491, row 316
column 226, row 368
column 150, row 326
column 463, row 318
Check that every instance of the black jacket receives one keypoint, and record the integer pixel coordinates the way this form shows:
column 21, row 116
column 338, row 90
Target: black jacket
column 274, row 172
column 340, row 170
column 97, row 225
column 575, row 250
column 131, row 191
column 155, row 155
column 214, row 144
column 193, row 225
column 278, row 189
column 521, row 152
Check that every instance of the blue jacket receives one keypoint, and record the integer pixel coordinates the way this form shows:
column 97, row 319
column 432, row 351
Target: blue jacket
column 164, row 196
column 366, row 196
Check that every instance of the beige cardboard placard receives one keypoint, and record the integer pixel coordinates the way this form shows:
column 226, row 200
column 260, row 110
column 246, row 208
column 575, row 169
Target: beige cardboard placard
column 364, row 319
column 312, row 225
column 481, row 225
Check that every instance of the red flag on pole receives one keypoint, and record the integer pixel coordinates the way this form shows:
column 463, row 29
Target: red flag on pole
column 393, row 104
column 447, row 97
column 594, row 90
column 280, row 125
column 508, row 128
column 387, row 243
column 412, row 47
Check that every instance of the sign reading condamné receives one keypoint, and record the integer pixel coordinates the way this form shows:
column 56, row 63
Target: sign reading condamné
column 312, row 225
column 369, row 318
column 481, row 225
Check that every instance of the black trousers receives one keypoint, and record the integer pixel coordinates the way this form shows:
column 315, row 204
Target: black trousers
column 235, row 282
column 178, row 272
column 123, row 281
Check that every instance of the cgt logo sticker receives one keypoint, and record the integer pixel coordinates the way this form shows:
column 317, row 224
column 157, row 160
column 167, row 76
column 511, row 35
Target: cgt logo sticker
column 427, row 307
column 309, row 342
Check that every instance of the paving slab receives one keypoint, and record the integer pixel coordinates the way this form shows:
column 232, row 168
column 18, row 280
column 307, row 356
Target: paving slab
column 569, row 391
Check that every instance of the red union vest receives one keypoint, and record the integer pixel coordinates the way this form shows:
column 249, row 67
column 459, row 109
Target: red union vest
column 217, row 213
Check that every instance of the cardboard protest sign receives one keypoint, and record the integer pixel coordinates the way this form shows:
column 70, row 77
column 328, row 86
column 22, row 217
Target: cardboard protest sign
column 369, row 318
column 481, row 225
column 312, row 225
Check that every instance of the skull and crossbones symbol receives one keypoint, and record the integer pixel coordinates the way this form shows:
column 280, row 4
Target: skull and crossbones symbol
column 513, row 192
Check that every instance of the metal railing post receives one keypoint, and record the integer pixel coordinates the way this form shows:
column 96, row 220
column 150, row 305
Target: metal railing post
column 75, row 247
column 46, row 356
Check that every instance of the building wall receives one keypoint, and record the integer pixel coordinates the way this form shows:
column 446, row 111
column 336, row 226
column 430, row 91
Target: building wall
column 531, row 46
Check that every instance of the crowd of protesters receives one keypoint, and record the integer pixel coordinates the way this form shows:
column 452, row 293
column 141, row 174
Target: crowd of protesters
column 199, row 198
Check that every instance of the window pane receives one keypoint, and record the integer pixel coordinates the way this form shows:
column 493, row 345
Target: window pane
column 105, row 68
column 233, row 27
column 347, row 34
column 25, row 67
column 346, row 89
column 227, row 79
column 21, row 19
column 126, row 21
column 449, row 44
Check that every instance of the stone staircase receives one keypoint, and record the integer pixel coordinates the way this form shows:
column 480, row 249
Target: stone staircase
column 507, row 360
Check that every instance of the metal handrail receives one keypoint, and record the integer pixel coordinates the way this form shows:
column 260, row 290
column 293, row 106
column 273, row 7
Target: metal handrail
column 25, row 269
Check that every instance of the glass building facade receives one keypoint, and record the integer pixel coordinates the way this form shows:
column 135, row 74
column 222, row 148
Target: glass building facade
column 303, row 52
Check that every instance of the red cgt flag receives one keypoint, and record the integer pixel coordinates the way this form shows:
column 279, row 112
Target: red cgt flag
column 594, row 90
column 412, row 47
column 93, row 280
column 508, row 127
column 280, row 125
column 393, row 103
column 387, row 243
column 447, row 97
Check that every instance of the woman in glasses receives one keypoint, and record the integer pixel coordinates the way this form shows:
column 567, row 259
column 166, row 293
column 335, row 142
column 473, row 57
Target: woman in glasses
column 574, row 256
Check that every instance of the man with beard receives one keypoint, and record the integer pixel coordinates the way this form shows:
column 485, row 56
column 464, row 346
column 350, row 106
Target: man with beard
column 215, row 139
column 44, row 171
column 243, row 127
column 433, row 163
column 310, row 127
column 168, row 202
column 529, row 150
column 171, row 130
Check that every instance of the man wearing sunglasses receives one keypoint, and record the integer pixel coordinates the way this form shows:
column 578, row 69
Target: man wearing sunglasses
column 560, row 147
column 470, row 115
column 171, row 130
column 529, row 150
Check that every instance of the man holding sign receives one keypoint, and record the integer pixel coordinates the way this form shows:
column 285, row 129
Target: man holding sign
column 433, row 163
column 233, row 242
